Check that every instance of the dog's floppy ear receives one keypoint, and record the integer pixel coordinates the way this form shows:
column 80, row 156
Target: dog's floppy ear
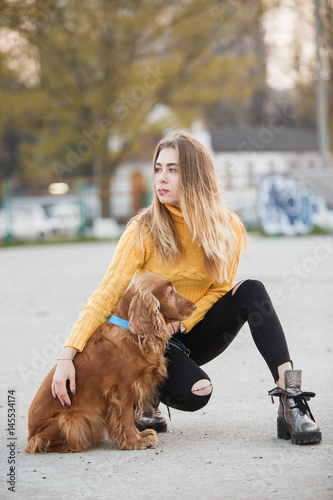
column 147, row 323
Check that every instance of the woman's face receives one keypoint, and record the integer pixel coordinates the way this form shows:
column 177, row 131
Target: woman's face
column 166, row 177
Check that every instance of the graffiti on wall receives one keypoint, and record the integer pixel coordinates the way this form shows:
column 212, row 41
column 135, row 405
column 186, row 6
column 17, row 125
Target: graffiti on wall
column 288, row 208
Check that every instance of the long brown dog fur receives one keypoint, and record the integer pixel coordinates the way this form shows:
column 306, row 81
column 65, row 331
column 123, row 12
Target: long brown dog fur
column 117, row 375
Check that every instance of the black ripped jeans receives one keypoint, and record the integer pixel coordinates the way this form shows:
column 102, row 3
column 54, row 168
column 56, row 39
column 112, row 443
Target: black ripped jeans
column 214, row 333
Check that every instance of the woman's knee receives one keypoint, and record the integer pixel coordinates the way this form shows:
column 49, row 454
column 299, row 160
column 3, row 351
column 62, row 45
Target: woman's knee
column 195, row 402
column 189, row 400
column 201, row 392
column 250, row 286
column 191, row 403
column 235, row 288
column 202, row 387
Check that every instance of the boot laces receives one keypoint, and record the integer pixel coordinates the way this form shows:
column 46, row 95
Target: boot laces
column 301, row 402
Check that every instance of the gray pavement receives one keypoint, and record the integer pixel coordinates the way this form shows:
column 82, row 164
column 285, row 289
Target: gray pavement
column 228, row 450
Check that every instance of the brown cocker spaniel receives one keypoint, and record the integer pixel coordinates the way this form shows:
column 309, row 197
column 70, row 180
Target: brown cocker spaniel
column 117, row 375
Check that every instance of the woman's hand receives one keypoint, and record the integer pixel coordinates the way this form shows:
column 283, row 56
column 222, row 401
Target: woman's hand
column 173, row 327
column 65, row 371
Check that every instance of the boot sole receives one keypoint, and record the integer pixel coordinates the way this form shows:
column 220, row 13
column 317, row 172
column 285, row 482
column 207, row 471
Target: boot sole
column 159, row 427
column 284, row 432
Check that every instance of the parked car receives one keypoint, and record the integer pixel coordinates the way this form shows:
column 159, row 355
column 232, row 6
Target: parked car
column 27, row 223
column 65, row 218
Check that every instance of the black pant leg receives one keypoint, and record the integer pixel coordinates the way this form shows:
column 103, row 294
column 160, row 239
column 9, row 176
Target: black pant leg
column 251, row 302
column 183, row 373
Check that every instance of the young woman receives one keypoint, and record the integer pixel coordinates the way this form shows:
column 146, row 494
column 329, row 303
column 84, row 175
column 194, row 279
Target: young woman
column 188, row 235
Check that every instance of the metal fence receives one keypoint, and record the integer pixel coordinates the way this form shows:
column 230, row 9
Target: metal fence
column 62, row 210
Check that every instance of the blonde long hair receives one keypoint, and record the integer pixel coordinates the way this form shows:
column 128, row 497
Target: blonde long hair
column 203, row 208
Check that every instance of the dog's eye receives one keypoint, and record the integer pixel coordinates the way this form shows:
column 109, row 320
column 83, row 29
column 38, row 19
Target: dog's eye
column 172, row 292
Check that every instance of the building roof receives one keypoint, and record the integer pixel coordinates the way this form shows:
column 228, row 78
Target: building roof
column 263, row 138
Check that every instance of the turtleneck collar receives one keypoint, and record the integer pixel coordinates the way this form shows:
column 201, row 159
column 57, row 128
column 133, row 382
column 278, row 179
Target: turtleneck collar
column 175, row 213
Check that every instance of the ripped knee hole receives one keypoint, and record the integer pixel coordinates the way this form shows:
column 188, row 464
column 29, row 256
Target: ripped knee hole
column 203, row 387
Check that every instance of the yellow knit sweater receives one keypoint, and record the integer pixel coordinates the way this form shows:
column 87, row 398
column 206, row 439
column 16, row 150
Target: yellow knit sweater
column 188, row 275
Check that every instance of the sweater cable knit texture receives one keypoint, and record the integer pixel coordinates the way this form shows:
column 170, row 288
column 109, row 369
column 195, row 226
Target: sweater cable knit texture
column 188, row 275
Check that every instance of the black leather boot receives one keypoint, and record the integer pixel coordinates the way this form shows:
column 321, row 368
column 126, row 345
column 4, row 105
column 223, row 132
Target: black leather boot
column 295, row 420
column 151, row 419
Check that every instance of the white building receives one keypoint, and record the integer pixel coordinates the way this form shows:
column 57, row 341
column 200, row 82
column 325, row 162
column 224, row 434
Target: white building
column 242, row 156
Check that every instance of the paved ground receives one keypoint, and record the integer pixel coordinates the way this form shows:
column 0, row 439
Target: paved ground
column 229, row 449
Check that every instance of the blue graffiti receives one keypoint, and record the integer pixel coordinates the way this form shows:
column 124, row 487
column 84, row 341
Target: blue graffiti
column 286, row 207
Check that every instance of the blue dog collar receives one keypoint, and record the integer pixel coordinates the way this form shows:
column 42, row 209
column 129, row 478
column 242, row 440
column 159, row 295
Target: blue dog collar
column 119, row 322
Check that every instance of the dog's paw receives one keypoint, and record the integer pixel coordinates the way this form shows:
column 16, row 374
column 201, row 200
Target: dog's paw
column 143, row 440
column 148, row 438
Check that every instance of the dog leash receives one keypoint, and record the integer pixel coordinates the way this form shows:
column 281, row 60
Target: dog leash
column 115, row 320
column 177, row 343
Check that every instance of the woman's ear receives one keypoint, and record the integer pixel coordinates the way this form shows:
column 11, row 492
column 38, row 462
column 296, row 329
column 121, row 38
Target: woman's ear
column 146, row 321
